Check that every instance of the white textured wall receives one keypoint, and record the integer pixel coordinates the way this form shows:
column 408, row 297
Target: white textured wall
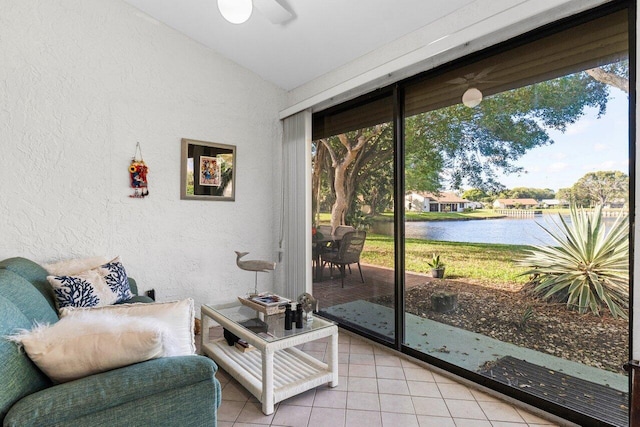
column 80, row 82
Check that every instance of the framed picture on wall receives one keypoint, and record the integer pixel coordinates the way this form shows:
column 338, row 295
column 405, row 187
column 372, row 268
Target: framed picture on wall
column 207, row 171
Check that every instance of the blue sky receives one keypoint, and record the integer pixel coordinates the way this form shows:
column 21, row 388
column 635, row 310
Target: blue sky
column 589, row 145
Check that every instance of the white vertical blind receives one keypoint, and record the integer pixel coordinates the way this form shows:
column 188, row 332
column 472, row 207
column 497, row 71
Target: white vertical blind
column 295, row 239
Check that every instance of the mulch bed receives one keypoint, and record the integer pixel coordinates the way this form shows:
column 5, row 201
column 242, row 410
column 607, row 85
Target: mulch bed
column 500, row 313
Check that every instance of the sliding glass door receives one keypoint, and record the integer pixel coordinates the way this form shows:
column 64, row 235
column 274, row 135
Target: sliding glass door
column 493, row 199
column 353, row 239
column 517, row 184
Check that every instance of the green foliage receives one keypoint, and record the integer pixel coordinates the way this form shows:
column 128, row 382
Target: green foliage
column 474, row 194
column 436, row 262
column 527, row 315
column 601, row 187
column 530, row 193
column 589, row 267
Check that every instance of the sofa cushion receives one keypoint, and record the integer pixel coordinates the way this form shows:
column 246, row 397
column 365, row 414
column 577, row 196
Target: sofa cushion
column 104, row 285
column 77, row 400
column 176, row 316
column 27, row 298
column 91, row 342
column 33, row 273
column 20, row 377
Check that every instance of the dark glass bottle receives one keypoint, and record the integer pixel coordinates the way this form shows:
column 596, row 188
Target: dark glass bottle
column 288, row 317
column 299, row 319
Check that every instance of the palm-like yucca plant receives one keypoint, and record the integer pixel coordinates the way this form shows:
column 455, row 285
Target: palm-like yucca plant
column 588, row 268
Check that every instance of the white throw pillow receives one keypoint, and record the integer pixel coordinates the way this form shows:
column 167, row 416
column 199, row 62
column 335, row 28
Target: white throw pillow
column 104, row 285
column 71, row 267
column 176, row 316
column 86, row 344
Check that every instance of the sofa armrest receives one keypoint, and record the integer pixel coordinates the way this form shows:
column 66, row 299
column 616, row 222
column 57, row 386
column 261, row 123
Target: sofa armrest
column 133, row 285
column 63, row 403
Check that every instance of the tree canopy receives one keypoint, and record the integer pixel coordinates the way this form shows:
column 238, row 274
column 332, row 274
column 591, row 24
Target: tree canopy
column 455, row 146
column 601, row 188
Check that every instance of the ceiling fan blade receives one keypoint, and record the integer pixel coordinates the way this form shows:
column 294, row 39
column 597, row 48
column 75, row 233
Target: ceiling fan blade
column 273, row 10
column 484, row 72
column 457, row 81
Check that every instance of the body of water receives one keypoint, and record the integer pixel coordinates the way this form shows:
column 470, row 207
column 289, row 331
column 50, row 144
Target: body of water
column 511, row 231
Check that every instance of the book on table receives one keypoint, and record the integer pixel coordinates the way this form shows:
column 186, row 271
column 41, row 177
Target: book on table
column 270, row 300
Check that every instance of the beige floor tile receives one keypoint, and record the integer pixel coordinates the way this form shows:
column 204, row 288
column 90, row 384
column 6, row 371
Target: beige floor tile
column 343, row 347
column 364, row 401
column 441, row 379
column 465, row 409
column 507, row 424
column 406, row 363
column 466, row 422
column 343, row 369
column 532, row 418
column 365, row 385
column 455, row 391
column 390, row 419
column 229, row 410
column 361, row 359
column 396, row 403
column 315, row 346
column 225, row 423
column 368, row 371
column 392, row 386
column 342, row 384
column 423, row 388
column 330, row 399
column 304, row 399
column 384, row 359
column 418, row 374
column 482, row 396
column 234, row 391
column 433, row 406
column 390, row 372
column 357, row 418
column 291, row 415
column 430, row 421
column 500, row 411
column 252, row 414
column 327, row 417
column 361, row 349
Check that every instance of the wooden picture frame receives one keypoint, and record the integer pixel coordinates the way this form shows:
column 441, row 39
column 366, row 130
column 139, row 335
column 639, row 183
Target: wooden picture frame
column 207, row 171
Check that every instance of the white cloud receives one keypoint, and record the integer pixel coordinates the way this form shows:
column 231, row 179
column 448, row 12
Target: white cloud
column 557, row 167
column 600, row 147
column 578, row 128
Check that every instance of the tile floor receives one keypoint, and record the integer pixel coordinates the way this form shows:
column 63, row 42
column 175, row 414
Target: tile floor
column 377, row 388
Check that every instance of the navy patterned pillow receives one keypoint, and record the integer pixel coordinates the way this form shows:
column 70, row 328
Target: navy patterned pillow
column 104, row 285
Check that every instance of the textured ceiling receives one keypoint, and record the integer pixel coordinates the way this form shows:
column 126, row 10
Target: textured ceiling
column 322, row 36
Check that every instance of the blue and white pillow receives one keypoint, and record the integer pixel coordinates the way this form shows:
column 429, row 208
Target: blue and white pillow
column 104, row 285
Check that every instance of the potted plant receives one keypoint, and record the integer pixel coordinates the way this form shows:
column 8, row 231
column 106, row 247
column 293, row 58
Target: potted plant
column 437, row 267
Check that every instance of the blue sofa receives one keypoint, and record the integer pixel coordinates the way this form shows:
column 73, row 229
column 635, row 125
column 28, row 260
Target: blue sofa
column 180, row 391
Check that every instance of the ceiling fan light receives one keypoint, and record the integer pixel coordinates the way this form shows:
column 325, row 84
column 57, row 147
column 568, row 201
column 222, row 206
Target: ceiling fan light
column 235, row 11
column 472, row 97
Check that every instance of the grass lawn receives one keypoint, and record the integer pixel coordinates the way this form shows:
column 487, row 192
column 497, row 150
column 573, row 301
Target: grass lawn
column 483, row 262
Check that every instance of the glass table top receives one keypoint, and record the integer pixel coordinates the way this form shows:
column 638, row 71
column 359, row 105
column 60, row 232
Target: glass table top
column 269, row 328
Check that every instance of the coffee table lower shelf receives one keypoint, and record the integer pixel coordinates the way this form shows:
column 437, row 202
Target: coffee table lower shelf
column 293, row 370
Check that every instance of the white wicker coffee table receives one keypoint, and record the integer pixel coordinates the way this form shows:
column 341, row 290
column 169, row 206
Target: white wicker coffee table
column 275, row 370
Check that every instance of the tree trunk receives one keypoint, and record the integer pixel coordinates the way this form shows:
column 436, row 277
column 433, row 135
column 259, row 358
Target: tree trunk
column 609, row 78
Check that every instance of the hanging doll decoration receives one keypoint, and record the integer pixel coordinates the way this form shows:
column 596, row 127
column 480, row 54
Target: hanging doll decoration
column 138, row 174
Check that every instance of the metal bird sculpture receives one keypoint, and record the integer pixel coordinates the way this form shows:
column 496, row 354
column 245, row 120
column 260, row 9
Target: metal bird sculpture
column 254, row 264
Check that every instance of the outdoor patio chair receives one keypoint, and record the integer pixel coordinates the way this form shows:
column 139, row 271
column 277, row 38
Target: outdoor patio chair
column 348, row 253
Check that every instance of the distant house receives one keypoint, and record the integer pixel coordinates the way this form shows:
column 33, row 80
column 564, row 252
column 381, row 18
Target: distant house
column 515, row 203
column 553, row 203
column 429, row 202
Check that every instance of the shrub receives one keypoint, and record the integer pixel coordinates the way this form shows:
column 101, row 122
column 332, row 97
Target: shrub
column 588, row 268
